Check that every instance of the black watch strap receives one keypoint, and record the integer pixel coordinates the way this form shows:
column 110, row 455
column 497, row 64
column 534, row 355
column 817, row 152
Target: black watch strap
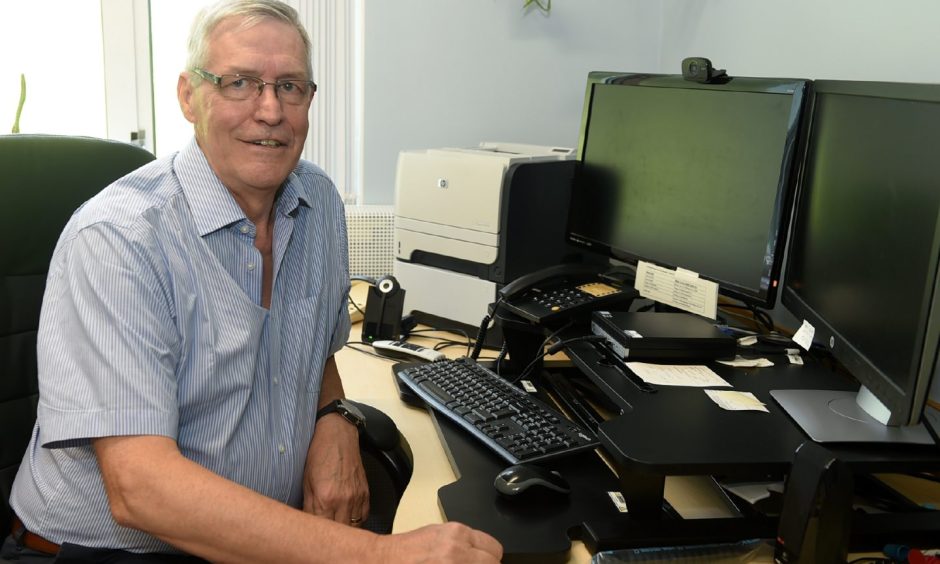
column 346, row 409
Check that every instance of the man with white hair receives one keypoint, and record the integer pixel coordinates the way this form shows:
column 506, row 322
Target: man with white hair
column 187, row 382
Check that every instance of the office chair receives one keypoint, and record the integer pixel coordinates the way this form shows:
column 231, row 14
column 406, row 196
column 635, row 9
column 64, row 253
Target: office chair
column 43, row 179
column 388, row 463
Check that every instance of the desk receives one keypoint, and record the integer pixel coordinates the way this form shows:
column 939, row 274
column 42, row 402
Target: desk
column 369, row 380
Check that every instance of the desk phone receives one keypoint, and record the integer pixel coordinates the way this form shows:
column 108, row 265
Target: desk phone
column 562, row 291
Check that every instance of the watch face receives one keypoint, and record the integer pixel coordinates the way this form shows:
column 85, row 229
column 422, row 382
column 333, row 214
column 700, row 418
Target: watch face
column 351, row 413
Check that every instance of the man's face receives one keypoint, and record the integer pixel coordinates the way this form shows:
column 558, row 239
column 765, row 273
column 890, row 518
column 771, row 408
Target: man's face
column 231, row 132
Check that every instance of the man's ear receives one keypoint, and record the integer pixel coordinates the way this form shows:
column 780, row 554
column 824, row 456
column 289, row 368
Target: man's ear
column 185, row 93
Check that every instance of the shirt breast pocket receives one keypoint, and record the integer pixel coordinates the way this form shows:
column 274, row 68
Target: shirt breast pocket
column 305, row 338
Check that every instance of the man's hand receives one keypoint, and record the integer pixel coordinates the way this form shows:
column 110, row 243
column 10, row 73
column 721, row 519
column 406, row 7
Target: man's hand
column 441, row 544
column 335, row 483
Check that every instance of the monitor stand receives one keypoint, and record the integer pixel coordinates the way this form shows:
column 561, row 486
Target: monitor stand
column 831, row 416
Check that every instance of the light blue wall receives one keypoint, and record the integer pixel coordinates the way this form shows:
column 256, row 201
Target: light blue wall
column 452, row 73
column 834, row 39
column 456, row 72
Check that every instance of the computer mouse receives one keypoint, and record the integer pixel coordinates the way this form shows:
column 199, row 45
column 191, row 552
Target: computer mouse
column 525, row 477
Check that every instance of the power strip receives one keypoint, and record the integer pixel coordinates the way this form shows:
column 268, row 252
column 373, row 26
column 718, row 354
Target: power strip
column 356, row 304
column 355, row 315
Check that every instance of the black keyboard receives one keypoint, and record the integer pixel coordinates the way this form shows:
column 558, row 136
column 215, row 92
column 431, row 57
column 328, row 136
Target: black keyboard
column 509, row 421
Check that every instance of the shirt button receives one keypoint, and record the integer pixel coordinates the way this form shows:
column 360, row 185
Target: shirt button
column 275, row 381
column 251, row 266
column 244, row 229
column 280, row 449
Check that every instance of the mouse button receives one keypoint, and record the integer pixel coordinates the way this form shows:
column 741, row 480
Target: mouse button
column 520, row 478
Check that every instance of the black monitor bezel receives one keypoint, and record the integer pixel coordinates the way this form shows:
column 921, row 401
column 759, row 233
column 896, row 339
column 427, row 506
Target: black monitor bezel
column 905, row 406
column 758, row 296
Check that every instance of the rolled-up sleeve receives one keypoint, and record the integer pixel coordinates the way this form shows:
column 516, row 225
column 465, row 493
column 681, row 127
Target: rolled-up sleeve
column 107, row 334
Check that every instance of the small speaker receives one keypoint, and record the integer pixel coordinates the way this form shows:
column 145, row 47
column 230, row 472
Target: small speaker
column 384, row 306
column 816, row 518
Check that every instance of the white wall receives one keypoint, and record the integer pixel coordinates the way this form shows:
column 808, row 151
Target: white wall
column 834, row 39
column 457, row 72
column 59, row 50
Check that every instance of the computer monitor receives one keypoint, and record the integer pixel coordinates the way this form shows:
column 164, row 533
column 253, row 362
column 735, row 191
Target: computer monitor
column 864, row 254
column 690, row 175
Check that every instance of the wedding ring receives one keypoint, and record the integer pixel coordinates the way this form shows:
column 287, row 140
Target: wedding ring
column 355, row 521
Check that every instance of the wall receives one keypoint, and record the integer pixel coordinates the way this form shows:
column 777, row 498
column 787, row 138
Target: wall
column 835, row 39
column 456, row 72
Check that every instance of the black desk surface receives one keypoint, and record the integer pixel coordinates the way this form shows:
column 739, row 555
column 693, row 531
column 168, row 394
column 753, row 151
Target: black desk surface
column 675, row 431
column 681, row 431
column 534, row 526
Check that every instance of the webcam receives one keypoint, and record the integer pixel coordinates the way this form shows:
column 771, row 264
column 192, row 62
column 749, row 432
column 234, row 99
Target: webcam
column 700, row 69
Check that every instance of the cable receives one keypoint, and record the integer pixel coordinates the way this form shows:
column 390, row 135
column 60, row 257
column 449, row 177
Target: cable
column 552, row 350
column 370, row 353
column 484, row 326
column 759, row 317
column 555, row 333
column 443, row 340
column 764, row 318
column 497, row 366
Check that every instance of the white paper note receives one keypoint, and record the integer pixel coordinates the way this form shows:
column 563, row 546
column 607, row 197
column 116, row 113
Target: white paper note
column 741, row 362
column 679, row 288
column 677, row 374
column 748, row 341
column 736, row 401
column 804, row 335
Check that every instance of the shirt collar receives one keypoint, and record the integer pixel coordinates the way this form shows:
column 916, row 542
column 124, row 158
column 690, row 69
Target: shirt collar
column 212, row 205
column 292, row 197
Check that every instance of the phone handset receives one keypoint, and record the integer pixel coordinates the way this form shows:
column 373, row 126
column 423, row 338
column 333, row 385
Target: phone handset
column 533, row 279
column 515, row 289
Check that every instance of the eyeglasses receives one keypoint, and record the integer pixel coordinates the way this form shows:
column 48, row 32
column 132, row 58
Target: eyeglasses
column 244, row 87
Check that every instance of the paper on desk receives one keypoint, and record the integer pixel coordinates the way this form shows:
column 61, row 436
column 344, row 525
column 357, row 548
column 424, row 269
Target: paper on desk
column 748, row 341
column 752, row 492
column 677, row 374
column 741, row 362
column 736, row 401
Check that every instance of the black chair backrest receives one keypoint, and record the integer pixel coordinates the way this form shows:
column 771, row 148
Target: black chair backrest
column 43, row 179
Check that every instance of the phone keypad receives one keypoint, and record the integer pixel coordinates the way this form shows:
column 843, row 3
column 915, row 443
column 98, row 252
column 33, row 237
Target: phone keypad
column 560, row 299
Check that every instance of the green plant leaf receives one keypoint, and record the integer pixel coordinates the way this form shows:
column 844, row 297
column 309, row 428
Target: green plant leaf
column 19, row 106
column 544, row 5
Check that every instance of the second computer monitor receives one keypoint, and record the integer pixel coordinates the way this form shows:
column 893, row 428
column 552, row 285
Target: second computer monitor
column 690, row 175
column 865, row 250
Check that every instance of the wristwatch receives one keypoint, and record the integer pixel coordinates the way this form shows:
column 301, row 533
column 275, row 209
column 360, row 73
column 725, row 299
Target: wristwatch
column 346, row 409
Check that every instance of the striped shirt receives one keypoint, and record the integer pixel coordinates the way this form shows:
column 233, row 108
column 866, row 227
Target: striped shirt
column 152, row 325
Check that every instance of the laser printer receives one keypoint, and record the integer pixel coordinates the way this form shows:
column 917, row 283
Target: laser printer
column 470, row 220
